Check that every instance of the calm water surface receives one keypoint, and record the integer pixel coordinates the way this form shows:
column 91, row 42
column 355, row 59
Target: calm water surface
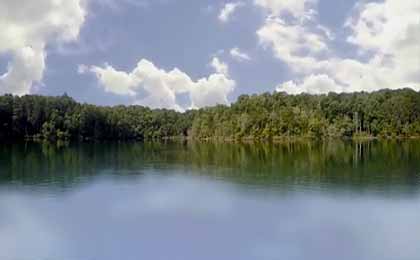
column 189, row 201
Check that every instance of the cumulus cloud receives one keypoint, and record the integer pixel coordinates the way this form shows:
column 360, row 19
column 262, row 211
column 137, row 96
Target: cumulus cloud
column 239, row 55
column 391, row 31
column 295, row 44
column 228, row 10
column 114, row 81
column 313, row 84
column 27, row 66
column 219, row 66
column 385, row 34
column 296, row 8
column 157, row 88
column 26, row 28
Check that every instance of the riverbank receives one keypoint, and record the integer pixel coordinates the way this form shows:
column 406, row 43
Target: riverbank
column 248, row 139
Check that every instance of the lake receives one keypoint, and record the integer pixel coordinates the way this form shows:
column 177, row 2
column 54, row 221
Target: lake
column 211, row 201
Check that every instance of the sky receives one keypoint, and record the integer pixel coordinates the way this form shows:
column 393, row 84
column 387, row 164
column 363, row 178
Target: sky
column 183, row 54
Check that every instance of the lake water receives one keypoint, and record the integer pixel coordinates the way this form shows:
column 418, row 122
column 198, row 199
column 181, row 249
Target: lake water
column 191, row 201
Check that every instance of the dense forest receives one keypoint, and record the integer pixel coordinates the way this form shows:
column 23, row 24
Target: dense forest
column 385, row 113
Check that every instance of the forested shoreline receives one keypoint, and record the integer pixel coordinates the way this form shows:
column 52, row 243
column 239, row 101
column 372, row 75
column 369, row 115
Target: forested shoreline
column 385, row 113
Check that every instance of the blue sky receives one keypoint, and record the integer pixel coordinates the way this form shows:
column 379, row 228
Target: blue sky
column 92, row 49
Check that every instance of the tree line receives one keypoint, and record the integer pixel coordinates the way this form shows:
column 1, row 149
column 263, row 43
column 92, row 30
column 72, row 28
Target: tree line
column 385, row 113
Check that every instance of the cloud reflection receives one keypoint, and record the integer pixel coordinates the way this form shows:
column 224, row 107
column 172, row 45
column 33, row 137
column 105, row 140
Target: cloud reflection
column 185, row 217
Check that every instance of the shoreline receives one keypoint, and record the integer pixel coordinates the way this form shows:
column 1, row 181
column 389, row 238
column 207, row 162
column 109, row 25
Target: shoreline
column 248, row 140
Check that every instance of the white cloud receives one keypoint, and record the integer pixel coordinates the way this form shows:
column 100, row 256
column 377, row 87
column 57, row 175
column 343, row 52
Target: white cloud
column 391, row 31
column 228, row 10
column 26, row 28
column 27, row 66
column 211, row 91
column 295, row 44
column 239, row 55
column 313, row 84
column 296, row 8
column 117, row 82
column 219, row 66
column 385, row 33
column 157, row 88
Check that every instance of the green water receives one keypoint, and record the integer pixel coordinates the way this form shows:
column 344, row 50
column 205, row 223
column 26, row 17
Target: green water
column 185, row 200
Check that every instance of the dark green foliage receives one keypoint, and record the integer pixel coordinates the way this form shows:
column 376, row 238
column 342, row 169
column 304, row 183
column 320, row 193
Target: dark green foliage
column 383, row 113
column 61, row 118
